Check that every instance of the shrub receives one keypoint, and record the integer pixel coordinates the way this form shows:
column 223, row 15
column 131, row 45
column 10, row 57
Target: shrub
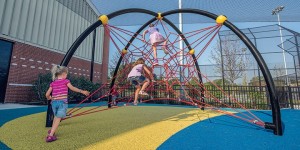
column 44, row 80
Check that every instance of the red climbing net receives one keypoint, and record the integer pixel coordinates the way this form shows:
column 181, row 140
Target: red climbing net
column 178, row 80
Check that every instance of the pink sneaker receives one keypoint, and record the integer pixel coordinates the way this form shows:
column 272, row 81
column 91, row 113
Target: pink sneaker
column 143, row 93
column 49, row 131
column 164, row 47
column 50, row 138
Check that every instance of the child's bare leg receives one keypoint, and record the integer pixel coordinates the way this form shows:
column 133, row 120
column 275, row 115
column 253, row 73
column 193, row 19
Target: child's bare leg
column 55, row 124
column 165, row 47
column 136, row 94
column 146, row 83
column 154, row 51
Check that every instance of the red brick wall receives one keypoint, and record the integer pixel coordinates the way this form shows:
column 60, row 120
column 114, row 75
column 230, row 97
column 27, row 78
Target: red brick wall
column 105, row 59
column 28, row 61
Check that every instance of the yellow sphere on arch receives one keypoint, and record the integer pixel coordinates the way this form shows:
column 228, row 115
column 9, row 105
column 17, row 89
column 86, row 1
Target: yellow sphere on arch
column 124, row 51
column 192, row 51
column 159, row 17
column 103, row 19
column 221, row 19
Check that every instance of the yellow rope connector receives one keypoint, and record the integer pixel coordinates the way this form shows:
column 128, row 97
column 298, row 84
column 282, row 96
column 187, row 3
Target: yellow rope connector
column 192, row 51
column 103, row 19
column 221, row 19
column 124, row 51
column 159, row 17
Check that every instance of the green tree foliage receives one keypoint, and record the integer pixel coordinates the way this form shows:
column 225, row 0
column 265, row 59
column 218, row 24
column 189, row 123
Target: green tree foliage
column 231, row 59
column 255, row 81
column 122, row 74
column 43, row 81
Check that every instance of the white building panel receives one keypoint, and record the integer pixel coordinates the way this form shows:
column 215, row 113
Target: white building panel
column 30, row 19
column 83, row 45
column 15, row 19
column 8, row 12
column 63, row 29
column 23, row 19
column 49, row 20
column 75, row 32
column 53, row 25
column 50, row 24
column 36, row 21
column 2, row 6
column 42, row 28
column 58, row 27
column 67, row 44
column 71, row 37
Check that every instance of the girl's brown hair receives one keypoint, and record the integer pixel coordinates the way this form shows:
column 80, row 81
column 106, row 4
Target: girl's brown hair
column 139, row 61
column 58, row 70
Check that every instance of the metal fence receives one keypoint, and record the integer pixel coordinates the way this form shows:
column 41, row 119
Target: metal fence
column 278, row 45
column 250, row 97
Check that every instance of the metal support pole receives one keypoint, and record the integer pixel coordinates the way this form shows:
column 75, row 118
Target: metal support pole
column 222, row 63
column 93, row 56
column 298, row 51
column 295, row 66
column 181, row 61
column 283, row 53
column 276, row 12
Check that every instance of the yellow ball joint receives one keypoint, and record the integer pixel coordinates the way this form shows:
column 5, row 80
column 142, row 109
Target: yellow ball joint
column 159, row 17
column 124, row 51
column 103, row 19
column 192, row 51
column 221, row 19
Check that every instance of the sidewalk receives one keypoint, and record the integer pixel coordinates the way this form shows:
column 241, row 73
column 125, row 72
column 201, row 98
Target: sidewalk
column 14, row 106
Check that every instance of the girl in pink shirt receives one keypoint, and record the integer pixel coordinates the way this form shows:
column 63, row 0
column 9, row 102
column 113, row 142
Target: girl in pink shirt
column 59, row 89
column 155, row 39
column 137, row 78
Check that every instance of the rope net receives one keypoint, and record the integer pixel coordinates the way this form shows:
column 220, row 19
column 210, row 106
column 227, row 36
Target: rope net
column 176, row 75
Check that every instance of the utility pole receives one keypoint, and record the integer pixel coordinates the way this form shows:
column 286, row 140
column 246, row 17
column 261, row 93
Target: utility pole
column 276, row 11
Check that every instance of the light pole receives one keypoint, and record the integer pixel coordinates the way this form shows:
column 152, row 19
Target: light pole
column 276, row 12
column 181, row 59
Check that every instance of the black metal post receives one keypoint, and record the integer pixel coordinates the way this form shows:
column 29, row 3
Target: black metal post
column 222, row 63
column 93, row 56
column 296, row 72
column 290, row 97
column 49, row 115
column 298, row 51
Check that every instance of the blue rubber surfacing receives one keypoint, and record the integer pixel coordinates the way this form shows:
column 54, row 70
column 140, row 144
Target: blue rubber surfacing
column 222, row 132
column 225, row 132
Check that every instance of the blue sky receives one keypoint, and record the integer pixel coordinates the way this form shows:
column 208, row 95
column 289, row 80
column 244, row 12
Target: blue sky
column 276, row 59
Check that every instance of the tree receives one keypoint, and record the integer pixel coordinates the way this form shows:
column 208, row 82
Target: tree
column 194, row 81
column 217, row 82
column 279, row 75
column 255, row 81
column 213, row 89
column 234, row 59
column 123, row 71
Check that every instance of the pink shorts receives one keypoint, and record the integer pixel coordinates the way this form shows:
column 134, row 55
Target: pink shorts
column 157, row 38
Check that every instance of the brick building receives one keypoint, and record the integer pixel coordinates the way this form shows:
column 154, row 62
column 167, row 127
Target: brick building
column 36, row 34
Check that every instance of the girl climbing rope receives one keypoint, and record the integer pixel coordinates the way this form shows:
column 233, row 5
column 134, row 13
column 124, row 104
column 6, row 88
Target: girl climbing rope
column 155, row 39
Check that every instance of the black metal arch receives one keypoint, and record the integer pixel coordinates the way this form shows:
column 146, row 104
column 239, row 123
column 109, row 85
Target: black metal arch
column 179, row 33
column 276, row 126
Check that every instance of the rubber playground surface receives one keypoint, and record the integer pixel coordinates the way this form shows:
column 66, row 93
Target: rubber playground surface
column 147, row 126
